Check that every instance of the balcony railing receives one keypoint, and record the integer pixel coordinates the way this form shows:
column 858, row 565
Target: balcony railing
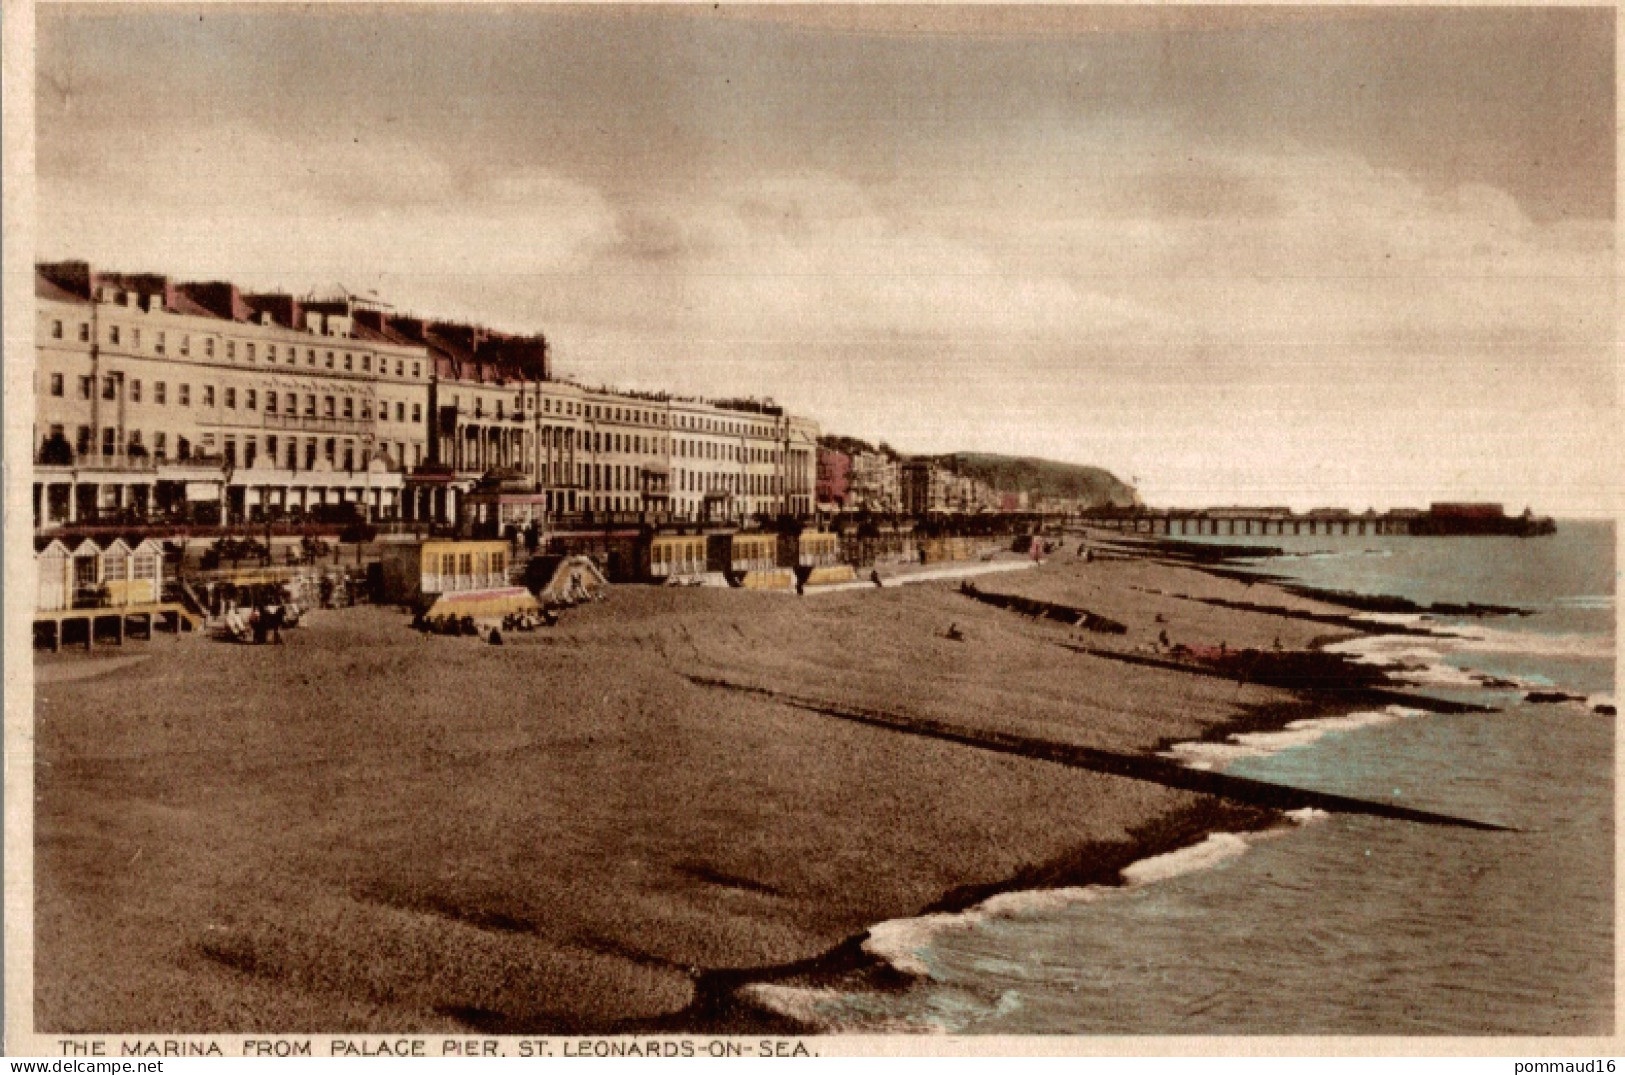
column 96, row 461
column 316, row 424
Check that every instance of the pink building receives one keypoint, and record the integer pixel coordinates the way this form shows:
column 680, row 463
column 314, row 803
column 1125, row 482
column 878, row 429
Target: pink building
column 834, row 477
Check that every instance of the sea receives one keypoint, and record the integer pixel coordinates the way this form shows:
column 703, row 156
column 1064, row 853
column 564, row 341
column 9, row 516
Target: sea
column 1337, row 924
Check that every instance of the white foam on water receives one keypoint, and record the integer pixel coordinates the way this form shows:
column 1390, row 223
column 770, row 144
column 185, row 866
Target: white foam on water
column 1307, row 815
column 903, row 943
column 800, row 1003
column 1395, row 619
column 1409, row 660
column 825, row 1009
column 1038, row 901
column 900, row 941
column 1298, row 733
column 1585, row 601
column 1471, row 638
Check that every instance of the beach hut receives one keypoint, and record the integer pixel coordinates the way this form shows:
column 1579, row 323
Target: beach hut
column 818, row 548
column 677, row 557
column 85, row 575
column 453, row 578
column 52, row 568
column 145, row 585
column 116, row 572
column 754, row 552
column 418, row 570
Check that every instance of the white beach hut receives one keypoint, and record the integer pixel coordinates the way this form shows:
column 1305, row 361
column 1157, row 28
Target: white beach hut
column 54, row 591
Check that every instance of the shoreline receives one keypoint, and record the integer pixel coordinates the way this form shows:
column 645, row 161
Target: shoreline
column 720, row 1008
column 802, row 856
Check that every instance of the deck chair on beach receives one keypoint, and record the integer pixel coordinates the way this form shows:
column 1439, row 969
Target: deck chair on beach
column 234, row 626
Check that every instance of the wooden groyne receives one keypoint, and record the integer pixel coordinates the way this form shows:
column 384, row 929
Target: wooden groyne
column 1131, row 766
column 1047, row 610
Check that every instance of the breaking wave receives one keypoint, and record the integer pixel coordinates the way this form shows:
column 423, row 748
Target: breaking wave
column 1299, row 733
column 904, row 943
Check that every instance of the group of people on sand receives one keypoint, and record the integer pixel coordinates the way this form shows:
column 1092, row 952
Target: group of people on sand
column 265, row 612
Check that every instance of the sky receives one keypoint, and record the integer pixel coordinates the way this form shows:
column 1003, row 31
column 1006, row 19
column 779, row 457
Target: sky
column 1354, row 257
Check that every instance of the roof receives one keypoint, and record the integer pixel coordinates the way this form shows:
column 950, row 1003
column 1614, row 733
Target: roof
column 52, row 292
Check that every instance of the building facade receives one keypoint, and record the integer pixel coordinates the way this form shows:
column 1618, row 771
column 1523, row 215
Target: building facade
column 834, row 479
column 199, row 402
column 160, row 401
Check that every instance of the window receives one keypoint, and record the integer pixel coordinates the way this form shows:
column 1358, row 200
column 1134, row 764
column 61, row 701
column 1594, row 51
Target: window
column 366, row 410
column 249, row 399
column 84, row 388
column 208, row 395
column 56, row 384
column 330, row 451
column 366, row 363
column 499, row 410
column 270, row 449
column 310, row 356
column 186, row 344
column 349, row 407
column 400, row 412
column 249, row 348
column 417, row 412
column 327, row 406
column 231, row 452
column 84, row 332
column 310, row 406
column 293, row 453
column 293, row 356
column 231, row 349
column 160, row 445
column 82, row 440
column 159, row 391
column 208, row 347
column 416, row 369
column 231, row 398
column 186, row 395
column 270, row 402
column 56, row 330
column 135, row 391
column 349, row 361
column 400, row 368
column 112, row 334
column 135, row 339
column 293, row 404
column 330, row 360
column 109, row 440
column 270, row 352
column 310, row 450
column 158, row 347
column 349, row 456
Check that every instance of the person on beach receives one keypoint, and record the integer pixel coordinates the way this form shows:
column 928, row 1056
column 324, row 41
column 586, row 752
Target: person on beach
column 256, row 624
column 874, row 577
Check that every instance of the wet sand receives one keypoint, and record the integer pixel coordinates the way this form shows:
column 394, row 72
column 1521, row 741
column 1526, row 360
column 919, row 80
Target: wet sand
column 371, row 829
